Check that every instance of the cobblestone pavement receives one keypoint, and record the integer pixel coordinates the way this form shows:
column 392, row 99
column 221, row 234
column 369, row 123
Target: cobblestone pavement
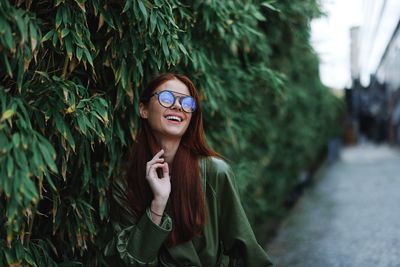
column 349, row 218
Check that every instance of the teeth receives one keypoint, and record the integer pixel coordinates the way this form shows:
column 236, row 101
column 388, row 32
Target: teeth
column 175, row 118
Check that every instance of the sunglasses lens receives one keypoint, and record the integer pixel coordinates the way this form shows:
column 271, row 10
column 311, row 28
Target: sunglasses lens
column 188, row 104
column 166, row 99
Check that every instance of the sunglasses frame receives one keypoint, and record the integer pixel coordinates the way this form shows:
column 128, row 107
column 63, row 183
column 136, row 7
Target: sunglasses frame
column 180, row 99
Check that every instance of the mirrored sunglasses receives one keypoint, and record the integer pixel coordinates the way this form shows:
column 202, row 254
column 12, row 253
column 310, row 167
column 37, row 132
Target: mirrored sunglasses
column 167, row 99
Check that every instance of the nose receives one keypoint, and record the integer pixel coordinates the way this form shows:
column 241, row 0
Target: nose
column 177, row 104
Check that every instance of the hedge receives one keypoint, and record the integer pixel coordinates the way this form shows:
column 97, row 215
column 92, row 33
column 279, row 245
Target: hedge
column 71, row 72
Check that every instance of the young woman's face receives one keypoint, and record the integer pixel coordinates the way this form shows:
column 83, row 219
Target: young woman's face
column 168, row 122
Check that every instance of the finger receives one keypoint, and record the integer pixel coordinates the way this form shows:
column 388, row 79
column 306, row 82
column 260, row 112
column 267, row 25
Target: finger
column 156, row 157
column 165, row 169
column 159, row 153
column 151, row 162
column 152, row 169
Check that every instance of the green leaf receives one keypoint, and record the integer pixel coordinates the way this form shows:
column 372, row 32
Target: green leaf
column 161, row 25
column 182, row 48
column 7, row 114
column 124, row 75
column 165, row 47
column 143, row 9
column 55, row 39
column 51, row 183
column 127, row 5
column 10, row 166
column 270, row 6
column 78, row 39
column 64, row 32
column 103, row 208
column 64, row 130
column 19, row 251
column 20, row 158
column 20, row 74
column 3, row 142
column 7, row 184
column 88, row 56
column 68, row 46
column 29, row 189
column 48, row 157
column 47, row 36
column 107, row 18
column 70, row 139
column 153, row 21
column 81, row 124
column 9, row 39
column 88, row 123
column 79, row 53
column 43, row 74
column 37, row 157
column 119, row 132
column 258, row 15
column 58, row 18
column 34, row 36
column 24, row 112
column 21, row 25
column 65, row 15
column 7, row 64
column 16, row 139
column 9, row 257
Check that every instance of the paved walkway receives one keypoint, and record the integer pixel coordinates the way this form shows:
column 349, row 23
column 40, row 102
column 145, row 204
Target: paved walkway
column 350, row 218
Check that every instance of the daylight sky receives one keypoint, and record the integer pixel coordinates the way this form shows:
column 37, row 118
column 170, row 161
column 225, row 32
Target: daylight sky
column 331, row 40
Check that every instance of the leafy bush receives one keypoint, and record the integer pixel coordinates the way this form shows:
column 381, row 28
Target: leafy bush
column 71, row 71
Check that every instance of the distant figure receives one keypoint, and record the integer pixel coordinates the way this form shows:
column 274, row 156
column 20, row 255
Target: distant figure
column 365, row 117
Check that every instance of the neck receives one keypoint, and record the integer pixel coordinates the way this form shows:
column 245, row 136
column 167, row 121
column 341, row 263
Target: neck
column 170, row 146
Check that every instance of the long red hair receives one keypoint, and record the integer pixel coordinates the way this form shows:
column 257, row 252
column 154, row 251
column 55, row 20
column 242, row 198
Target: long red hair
column 187, row 202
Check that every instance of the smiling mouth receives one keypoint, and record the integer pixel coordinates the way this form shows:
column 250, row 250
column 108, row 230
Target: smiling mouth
column 174, row 118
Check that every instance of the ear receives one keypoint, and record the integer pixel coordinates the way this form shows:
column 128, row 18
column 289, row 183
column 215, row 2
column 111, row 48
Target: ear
column 143, row 111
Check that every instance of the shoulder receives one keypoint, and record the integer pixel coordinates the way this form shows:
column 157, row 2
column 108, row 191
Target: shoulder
column 217, row 172
column 217, row 165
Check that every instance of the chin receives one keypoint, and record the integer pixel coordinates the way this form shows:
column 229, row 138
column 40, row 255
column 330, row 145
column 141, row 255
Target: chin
column 174, row 131
column 177, row 134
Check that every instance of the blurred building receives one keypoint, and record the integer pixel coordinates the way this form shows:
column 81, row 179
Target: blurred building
column 389, row 66
column 375, row 65
column 354, row 52
column 379, row 25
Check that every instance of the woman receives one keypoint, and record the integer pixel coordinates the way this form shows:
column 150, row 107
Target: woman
column 179, row 204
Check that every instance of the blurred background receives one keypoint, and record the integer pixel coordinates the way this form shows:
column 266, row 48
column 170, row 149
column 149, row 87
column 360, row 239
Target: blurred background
column 358, row 43
column 300, row 96
column 348, row 217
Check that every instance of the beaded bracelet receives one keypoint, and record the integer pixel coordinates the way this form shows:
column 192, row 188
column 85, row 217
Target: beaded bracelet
column 155, row 213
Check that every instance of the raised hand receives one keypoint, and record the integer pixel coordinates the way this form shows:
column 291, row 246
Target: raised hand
column 161, row 186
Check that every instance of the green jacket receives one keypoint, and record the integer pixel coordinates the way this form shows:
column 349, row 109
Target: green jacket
column 227, row 238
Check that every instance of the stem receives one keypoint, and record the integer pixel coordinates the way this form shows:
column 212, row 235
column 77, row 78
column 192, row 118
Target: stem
column 29, row 233
column 65, row 68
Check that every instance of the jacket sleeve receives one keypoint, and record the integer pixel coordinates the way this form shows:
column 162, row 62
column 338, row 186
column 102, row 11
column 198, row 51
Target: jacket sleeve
column 135, row 241
column 237, row 236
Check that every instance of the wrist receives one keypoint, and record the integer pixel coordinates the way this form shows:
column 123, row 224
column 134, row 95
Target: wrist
column 158, row 205
column 160, row 201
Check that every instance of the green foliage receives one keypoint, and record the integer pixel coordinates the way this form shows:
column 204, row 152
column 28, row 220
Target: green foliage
column 71, row 71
